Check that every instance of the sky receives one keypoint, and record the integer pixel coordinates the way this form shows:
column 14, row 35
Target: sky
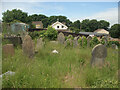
column 72, row 10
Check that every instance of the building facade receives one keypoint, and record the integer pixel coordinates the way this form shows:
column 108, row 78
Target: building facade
column 59, row 26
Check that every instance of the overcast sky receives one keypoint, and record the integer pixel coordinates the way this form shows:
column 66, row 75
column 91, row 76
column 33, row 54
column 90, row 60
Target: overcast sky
column 73, row 10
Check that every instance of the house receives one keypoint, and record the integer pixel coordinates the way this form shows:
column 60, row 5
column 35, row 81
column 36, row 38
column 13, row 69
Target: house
column 59, row 26
column 38, row 24
column 102, row 31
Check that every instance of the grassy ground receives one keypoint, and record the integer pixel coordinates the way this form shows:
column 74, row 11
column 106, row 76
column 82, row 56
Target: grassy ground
column 68, row 69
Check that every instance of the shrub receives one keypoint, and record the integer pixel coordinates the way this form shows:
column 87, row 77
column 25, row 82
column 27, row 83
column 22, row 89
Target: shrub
column 113, row 42
column 80, row 41
column 84, row 41
column 94, row 41
column 37, row 34
column 70, row 37
column 51, row 33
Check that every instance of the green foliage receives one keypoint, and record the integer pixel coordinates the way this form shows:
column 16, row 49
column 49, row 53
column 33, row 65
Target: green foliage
column 74, row 30
column 51, row 33
column 76, row 24
column 102, row 24
column 113, row 42
column 70, row 37
column 15, row 14
column 91, row 25
column 37, row 34
column 84, row 44
column 80, row 41
column 94, row 41
column 105, row 83
column 62, row 69
column 115, row 31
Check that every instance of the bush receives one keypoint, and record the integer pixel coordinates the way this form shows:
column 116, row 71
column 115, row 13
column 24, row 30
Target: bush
column 94, row 41
column 84, row 41
column 80, row 41
column 37, row 34
column 113, row 42
column 70, row 37
column 51, row 33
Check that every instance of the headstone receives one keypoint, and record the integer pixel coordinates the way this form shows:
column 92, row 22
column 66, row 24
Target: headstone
column 61, row 38
column 28, row 46
column 89, row 38
column 8, row 50
column 40, row 44
column 114, row 46
column 75, row 42
column 99, row 53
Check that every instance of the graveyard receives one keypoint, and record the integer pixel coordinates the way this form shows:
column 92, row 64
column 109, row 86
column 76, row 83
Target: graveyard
column 54, row 52
column 78, row 62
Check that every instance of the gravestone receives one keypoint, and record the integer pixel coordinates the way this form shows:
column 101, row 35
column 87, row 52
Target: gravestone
column 39, row 44
column 99, row 53
column 61, row 38
column 8, row 50
column 89, row 38
column 28, row 46
column 75, row 42
column 114, row 46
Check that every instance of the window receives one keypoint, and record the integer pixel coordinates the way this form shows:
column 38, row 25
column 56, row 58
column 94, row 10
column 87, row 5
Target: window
column 62, row 26
column 57, row 26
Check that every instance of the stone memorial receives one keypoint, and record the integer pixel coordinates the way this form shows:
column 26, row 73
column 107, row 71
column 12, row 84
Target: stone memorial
column 99, row 53
column 8, row 50
column 89, row 38
column 75, row 42
column 61, row 38
column 28, row 46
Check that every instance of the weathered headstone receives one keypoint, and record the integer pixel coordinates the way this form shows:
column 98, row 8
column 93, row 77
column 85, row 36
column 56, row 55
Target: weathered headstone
column 28, row 46
column 114, row 46
column 8, row 50
column 99, row 53
column 39, row 44
column 61, row 38
column 75, row 42
column 89, row 38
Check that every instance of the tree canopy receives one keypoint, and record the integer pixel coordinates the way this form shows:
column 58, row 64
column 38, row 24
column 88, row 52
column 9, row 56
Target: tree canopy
column 76, row 26
column 115, row 31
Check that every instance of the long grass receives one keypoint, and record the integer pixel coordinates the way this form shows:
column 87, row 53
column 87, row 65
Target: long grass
column 70, row 68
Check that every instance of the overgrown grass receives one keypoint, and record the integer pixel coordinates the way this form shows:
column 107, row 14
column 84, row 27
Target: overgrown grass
column 68, row 69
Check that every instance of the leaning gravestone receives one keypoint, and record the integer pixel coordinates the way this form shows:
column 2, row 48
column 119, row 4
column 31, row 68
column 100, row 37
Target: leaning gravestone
column 61, row 38
column 8, row 50
column 99, row 53
column 39, row 44
column 28, row 46
column 75, row 42
column 89, row 38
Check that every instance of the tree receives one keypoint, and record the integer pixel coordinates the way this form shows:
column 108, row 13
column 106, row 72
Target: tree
column 93, row 25
column 85, row 25
column 102, row 24
column 51, row 33
column 115, row 31
column 10, row 16
column 76, row 24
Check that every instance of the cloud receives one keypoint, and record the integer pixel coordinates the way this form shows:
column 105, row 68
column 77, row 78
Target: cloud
column 110, row 15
